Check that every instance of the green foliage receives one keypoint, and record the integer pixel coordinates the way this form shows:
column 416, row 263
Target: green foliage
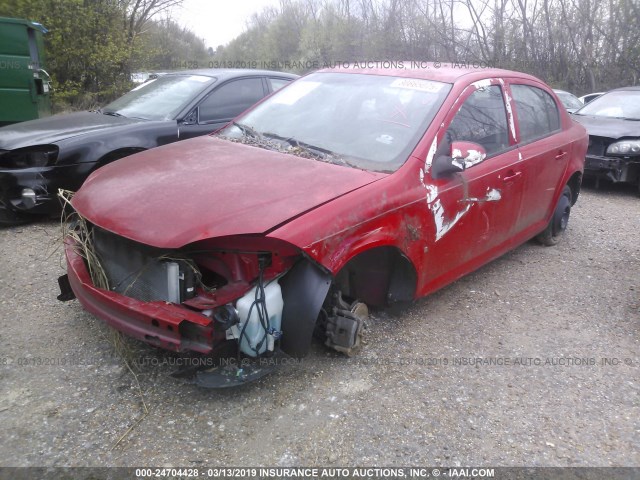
column 91, row 51
column 166, row 45
column 87, row 52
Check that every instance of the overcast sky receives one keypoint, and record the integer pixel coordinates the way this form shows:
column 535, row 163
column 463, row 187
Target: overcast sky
column 218, row 21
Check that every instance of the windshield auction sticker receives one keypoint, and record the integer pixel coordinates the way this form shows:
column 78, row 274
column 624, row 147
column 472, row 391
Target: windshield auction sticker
column 417, row 84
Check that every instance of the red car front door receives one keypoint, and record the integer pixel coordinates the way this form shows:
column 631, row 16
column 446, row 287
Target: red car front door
column 475, row 211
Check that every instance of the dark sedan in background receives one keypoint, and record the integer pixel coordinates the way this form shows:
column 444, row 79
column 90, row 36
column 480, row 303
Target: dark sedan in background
column 613, row 123
column 40, row 156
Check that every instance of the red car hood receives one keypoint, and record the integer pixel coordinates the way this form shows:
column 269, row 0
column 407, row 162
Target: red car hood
column 206, row 187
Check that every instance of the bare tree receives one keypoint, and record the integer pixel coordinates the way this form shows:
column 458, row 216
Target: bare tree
column 139, row 12
column 581, row 45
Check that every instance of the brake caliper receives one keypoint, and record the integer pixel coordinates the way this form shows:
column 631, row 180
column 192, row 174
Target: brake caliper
column 345, row 325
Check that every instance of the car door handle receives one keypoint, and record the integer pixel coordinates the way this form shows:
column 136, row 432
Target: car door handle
column 511, row 176
column 561, row 154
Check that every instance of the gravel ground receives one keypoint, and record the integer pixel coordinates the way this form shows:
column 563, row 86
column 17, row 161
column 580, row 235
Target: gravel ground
column 407, row 399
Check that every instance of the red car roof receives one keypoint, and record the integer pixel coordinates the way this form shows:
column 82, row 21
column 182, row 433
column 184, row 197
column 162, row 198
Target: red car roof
column 441, row 72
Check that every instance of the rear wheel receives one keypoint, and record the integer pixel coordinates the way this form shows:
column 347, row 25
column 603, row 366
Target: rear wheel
column 559, row 221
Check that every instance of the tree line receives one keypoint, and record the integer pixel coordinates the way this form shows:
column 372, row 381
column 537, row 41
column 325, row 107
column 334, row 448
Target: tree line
column 583, row 46
column 579, row 45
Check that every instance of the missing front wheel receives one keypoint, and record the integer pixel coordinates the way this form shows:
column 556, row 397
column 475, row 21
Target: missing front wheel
column 345, row 325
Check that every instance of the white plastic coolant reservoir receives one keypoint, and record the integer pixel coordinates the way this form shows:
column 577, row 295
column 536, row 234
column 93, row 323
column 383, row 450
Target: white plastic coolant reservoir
column 254, row 332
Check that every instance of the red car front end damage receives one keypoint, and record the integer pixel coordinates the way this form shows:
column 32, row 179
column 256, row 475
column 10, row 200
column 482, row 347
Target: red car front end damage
column 167, row 280
column 159, row 323
column 213, row 242
column 188, row 322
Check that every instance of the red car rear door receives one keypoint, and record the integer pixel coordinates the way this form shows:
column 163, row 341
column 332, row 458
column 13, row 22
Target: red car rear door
column 545, row 149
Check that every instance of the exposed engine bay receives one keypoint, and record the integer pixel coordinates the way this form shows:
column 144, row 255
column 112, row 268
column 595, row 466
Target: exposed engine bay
column 260, row 299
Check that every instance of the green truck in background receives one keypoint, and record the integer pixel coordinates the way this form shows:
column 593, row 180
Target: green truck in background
column 25, row 91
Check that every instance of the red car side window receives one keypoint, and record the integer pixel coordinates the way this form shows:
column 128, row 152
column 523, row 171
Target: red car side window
column 538, row 114
column 482, row 119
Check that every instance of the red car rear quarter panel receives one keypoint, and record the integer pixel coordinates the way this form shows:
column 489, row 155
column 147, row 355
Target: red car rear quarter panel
column 207, row 187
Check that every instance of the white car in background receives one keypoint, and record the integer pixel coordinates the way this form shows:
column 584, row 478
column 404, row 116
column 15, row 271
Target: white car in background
column 569, row 100
column 590, row 96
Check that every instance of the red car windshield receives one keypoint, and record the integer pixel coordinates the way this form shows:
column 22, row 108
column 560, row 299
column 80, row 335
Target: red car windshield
column 371, row 122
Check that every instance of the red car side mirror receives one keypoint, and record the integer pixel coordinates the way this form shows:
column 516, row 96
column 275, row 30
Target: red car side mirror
column 462, row 156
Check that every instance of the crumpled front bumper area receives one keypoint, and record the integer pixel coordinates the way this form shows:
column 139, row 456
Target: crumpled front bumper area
column 158, row 323
column 251, row 299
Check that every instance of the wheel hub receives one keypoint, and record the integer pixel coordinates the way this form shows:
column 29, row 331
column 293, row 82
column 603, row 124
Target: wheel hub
column 561, row 216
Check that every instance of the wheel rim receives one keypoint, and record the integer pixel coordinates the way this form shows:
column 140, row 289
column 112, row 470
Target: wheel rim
column 561, row 216
column 564, row 220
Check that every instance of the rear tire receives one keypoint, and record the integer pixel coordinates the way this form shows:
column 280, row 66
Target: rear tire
column 558, row 224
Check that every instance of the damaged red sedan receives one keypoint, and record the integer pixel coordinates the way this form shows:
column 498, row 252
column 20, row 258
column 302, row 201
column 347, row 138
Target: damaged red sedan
column 346, row 189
